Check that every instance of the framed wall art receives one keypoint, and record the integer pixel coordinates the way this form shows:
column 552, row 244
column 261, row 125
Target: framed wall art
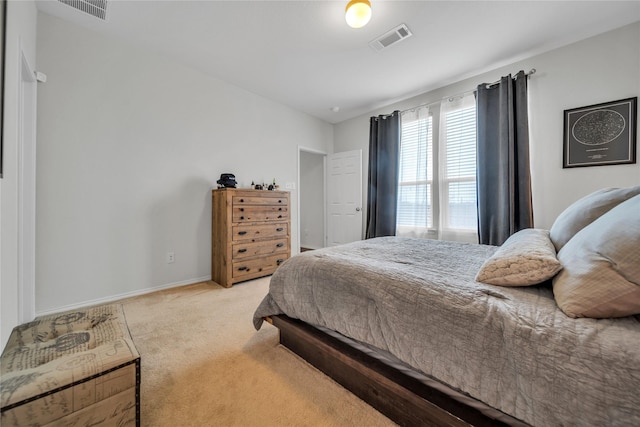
column 601, row 134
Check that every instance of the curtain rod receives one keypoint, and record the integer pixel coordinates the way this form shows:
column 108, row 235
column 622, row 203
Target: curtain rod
column 451, row 98
column 531, row 71
column 420, row 106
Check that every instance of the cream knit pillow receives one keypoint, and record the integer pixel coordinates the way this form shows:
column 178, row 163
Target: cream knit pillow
column 525, row 258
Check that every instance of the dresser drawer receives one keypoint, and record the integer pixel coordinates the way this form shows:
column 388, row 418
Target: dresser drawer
column 257, row 267
column 259, row 200
column 252, row 213
column 265, row 247
column 251, row 233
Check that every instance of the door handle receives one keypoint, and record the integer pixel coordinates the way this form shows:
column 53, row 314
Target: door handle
column 357, row 209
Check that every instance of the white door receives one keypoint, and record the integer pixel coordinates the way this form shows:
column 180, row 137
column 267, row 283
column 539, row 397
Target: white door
column 344, row 197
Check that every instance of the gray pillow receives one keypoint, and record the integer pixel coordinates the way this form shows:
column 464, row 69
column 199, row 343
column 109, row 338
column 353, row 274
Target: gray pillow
column 601, row 274
column 586, row 210
column 525, row 258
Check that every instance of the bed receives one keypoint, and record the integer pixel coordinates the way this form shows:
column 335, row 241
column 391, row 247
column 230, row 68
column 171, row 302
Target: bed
column 418, row 328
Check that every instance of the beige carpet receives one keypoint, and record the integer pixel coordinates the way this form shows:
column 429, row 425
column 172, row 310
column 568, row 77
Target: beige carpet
column 203, row 364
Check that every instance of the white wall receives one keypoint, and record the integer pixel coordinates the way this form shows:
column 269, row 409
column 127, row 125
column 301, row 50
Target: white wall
column 130, row 145
column 312, row 204
column 20, row 38
column 600, row 69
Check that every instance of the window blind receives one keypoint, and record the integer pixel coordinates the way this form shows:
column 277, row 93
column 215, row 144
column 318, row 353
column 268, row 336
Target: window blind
column 459, row 177
column 415, row 195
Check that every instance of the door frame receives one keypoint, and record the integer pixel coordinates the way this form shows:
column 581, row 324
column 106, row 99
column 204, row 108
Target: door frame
column 27, row 110
column 324, row 154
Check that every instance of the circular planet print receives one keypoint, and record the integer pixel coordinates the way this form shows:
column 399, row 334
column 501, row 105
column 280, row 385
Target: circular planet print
column 598, row 127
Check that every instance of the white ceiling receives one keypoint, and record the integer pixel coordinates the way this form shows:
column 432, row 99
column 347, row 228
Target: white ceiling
column 302, row 53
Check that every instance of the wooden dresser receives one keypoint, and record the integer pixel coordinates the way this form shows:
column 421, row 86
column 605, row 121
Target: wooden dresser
column 250, row 234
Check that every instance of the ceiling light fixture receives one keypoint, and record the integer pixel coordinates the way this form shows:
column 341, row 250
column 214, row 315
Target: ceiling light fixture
column 358, row 13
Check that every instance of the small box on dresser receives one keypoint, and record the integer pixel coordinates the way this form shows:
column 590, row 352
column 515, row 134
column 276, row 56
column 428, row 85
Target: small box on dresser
column 250, row 234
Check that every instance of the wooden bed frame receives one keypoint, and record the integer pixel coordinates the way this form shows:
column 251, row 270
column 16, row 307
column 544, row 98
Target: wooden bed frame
column 401, row 398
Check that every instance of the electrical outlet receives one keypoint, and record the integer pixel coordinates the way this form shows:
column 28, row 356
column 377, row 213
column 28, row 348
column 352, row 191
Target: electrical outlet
column 290, row 186
column 171, row 257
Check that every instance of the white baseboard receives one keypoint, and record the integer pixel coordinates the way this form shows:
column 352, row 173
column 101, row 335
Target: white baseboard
column 113, row 298
column 314, row 247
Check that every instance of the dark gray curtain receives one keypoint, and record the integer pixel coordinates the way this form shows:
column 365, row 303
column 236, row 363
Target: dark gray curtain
column 504, row 179
column 382, row 193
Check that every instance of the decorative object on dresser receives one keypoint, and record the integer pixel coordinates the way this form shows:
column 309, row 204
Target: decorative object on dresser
column 250, row 234
column 227, row 180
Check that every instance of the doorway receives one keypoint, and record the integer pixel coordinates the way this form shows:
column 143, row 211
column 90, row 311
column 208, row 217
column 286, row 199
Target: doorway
column 311, row 199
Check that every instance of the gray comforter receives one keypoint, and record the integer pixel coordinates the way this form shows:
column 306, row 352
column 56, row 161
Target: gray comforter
column 511, row 348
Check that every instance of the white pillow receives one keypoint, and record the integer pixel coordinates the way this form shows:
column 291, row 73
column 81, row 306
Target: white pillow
column 525, row 258
column 601, row 275
column 586, row 210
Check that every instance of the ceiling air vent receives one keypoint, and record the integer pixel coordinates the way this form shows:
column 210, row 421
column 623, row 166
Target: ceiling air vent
column 97, row 8
column 392, row 37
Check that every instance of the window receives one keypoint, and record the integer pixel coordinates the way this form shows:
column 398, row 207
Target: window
column 458, row 165
column 415, row 188
column 437, row 182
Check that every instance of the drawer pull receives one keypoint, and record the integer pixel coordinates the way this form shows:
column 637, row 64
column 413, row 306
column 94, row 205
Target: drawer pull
column 279, row 216
column 241, row 251
column 279, row 201
column 279, row 261
column 243, row 268
column 241, row 217
column 279, row 229
column 241, row 200
column 241, row 209
column 242, row 233
column 280, row 245
column 279, row 209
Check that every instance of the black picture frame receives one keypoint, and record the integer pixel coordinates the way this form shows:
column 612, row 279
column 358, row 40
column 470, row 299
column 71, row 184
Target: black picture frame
column 3, row 42
column 601, row 134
